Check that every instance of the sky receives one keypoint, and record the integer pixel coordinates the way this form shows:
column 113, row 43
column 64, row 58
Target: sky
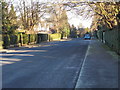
column 77, row 20
column 73, row 19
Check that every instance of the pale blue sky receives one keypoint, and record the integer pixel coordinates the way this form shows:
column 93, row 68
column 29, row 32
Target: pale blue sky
column 74, row 19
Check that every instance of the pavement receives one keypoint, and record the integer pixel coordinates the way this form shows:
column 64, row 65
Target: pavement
column 73, row 63
column 100, row 67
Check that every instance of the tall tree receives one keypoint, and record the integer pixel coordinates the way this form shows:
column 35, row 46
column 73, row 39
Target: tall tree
column 59, row 18
column 106, row 13
column 9, row 19
column 0, row 17
column 5, row 18
column 64, row 25
column 13, row 20
column 30, row 14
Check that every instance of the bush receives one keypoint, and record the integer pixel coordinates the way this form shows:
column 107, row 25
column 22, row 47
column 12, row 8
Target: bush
column 44, row 37
column 6, row 41
column 25, row 39
column 13, row 39
column 111, row 38
column 100, row 34
column 1, row 42
column 32, row 37
column 36, row 38
column 18, row 38
column 55, row 36
column 73, row 34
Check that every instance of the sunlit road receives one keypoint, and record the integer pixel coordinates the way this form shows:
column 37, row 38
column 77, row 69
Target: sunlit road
column 55, row 65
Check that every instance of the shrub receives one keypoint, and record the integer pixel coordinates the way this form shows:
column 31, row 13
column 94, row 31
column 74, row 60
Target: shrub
column 25, row 38
column 13, row 39
column 1, row 42
column 18, row 38
column 6, row 41
column 32, row 37
column 55, row 36
column 44, row 37
column 36, row 38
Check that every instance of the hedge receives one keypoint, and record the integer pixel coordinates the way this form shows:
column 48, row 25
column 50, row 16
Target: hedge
column 13, row 39
column 25, row 39
column 6, row 41
column 32, row 38
column 100, row 34
column 1, row 42
column 43, row 37
column 55, row 36
column 18, row 38
column 111, row 38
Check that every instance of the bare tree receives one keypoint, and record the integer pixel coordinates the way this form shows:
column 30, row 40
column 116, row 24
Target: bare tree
column 30, row 14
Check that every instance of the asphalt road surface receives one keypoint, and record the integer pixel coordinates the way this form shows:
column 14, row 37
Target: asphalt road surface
column 55, row 65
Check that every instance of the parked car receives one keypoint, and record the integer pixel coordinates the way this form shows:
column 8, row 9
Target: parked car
column 87, row 36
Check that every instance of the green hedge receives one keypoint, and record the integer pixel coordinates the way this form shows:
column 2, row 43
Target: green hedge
column 36, row 38
column 1, row 42
column 55, row 36
column 6, row 41
column 25, row 38
column 17, row 38
column 29, row 38
column 44, row 37
column 100, row 34
column 13, row 39
column 20, row 39
column 111, row 38
column 32, row 38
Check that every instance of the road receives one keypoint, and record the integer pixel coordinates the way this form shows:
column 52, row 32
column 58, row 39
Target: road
column 55, row 65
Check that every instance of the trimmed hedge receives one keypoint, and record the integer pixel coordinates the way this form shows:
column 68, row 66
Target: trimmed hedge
column 32, row 38
column 1, row 42
column 55, row 36
column 111, row 38
column 13, row 39
column 21, row 39
column 100, row 34
column 43, row 37
column 18, row 38
column 6, row 41
column 25, row 39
